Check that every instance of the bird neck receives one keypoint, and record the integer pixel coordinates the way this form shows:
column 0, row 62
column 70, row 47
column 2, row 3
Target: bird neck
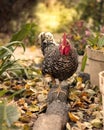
column 47, row 48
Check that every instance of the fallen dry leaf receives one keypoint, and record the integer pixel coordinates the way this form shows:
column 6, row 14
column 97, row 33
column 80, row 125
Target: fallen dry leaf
column 79, row 79
column 84, row 99
column 88, row 125
column 73, row 117
column 34, row 108
column 96, row 123
column 68, row 127
column 84, row 125
column 78, row 104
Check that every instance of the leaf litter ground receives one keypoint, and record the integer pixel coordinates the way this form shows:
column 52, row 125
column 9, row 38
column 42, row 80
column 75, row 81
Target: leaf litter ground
column 31, row 95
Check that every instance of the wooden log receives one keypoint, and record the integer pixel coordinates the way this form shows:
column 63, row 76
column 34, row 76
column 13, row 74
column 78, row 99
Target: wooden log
column 49, row 122
column 52, row 96
column 56, row 115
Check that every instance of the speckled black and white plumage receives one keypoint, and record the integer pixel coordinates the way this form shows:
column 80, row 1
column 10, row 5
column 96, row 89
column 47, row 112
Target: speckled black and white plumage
column 55, row 64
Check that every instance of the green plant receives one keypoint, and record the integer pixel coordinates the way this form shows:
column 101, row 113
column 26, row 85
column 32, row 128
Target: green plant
column 32, row 34
column 78, row 35
column 9, row 66
column 9, row 113
column 91, row 11
column 8, row 63
column 95, row 41
column 27, row 32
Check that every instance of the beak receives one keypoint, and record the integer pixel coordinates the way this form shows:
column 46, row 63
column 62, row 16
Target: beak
column 39, row 39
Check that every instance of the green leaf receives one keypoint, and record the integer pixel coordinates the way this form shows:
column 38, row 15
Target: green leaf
column 9, row 113
column 20, row 35
column 16, row 43
column 16, row 93
column 8, row 50
column 6, row 66
column 2, row 92
column 17, row 70
column 84, row 60
column 12, row 114
column 4, row 127
column 93, row 40
column 100, row 42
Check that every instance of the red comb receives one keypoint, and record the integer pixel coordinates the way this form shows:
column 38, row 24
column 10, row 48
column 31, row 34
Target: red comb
column 64, row 39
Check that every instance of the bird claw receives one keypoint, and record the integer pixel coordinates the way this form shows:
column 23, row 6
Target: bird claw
column 58, row 91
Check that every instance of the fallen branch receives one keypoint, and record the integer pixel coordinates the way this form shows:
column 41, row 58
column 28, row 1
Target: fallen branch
column 56, row 115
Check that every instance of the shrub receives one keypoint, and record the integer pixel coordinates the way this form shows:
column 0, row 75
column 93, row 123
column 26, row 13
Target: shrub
column 78, row 35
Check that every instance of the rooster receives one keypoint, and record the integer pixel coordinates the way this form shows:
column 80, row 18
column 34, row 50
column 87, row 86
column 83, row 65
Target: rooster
column 60, row 60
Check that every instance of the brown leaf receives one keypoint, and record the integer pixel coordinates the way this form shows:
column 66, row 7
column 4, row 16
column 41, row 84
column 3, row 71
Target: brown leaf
column 43, row 107
column 96, row 123
column 84, row 125
column 21, row 101
column 98, row 114
column 84, row 94
column 44, row 92
column 34, row 108
column 41, row 97
column 80, row 114
column 73, row 117
column 34, row 102
column 86, row 99
column 79, row 79
column 80, row 86
column 17, row 87
column 74, row 95
column 25, row 119
column 31, row 83
column 29, row 113
column 68, row 126
column 88, row 125
column 26, row 127
column 90, row 92
column 78, row 103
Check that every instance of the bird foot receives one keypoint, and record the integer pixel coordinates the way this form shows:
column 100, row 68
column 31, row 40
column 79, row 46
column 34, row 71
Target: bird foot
column 58, row 91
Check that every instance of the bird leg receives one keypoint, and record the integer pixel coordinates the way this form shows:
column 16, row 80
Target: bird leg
column 59, row 90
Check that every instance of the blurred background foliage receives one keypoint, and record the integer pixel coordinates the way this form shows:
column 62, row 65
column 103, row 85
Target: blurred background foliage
column 20, row 23
column 49, row 15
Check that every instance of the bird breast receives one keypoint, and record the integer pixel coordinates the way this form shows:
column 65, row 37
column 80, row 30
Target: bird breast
column 60, row 66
